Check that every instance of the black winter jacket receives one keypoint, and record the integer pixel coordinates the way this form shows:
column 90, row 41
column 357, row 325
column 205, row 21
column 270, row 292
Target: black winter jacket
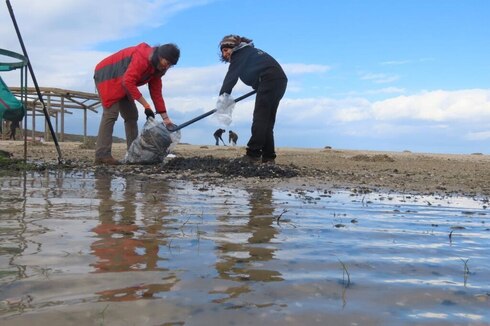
column 251, row 65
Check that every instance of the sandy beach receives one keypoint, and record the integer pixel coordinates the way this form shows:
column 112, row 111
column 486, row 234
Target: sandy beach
column 404, row 172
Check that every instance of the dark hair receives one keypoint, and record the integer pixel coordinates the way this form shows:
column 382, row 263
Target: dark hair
column 170, row 51
column 230, row 41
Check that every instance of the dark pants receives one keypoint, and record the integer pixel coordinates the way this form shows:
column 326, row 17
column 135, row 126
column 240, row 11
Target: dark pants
column 269, row 94
column 13, row 128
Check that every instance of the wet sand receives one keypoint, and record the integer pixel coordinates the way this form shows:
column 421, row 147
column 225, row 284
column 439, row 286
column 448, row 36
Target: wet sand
column 404, row 172
column 320, row 238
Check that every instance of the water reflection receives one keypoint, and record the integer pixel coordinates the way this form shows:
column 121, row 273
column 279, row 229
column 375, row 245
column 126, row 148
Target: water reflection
column 74, row 244
column 249, row 245
column 13, row 229
column 126, row 239
column 117, row 247
column 136, row 292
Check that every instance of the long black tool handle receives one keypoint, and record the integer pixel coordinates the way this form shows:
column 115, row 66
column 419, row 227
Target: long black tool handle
column 202, row 116
column 46, row 114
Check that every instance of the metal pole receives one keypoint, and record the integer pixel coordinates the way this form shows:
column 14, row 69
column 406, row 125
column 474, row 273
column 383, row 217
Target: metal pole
column 204, row 115
column 34, row 80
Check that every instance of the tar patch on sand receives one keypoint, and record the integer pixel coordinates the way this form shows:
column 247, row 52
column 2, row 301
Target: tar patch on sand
column 373, row 158
column 229, row 167
column 179, row 166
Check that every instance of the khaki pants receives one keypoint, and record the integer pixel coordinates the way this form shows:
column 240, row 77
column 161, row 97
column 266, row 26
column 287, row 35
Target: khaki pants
column 129, row 112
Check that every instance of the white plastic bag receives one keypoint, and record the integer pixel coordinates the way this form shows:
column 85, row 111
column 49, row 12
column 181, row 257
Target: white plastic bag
column 175, row 137
column 151, row 146
column 224, row 109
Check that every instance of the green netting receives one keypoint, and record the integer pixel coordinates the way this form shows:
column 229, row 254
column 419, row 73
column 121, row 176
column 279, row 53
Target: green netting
column 10, row 107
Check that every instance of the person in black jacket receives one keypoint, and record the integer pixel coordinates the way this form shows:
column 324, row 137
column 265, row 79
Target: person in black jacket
column 217, row 136
column 263, row 73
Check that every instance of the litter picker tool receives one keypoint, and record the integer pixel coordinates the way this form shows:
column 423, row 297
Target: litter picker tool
column 204, row 115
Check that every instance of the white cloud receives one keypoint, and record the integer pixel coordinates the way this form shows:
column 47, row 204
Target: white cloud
column 194, row 81
column 78, row 23
column 404, row 62
column 351, row 114
column 323, row 111
column 375, row 130
column 395, row 62
column 379, row 78
column 482, row 135
column 440, row 109
column 301, row 68
column 198, row 87
column 440, row 105
column 379, row 91
column 59, row 34
column 386, row 90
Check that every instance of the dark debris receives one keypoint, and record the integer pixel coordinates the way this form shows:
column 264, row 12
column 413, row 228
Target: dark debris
column 229, row 167
column 222, row 167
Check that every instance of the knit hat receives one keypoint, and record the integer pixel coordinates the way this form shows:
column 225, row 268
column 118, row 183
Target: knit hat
column 170, row 52
column 229, row 41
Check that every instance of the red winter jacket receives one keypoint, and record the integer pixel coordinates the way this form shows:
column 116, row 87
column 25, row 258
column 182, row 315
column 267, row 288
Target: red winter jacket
column 120, row 74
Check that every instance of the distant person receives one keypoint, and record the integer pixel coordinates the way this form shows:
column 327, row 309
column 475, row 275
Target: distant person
column 117, row 78
column 263, row 73
column 232, row 138
column 217, row 136
column 13, row 129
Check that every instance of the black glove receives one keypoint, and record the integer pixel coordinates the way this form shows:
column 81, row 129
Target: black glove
column 149, row 113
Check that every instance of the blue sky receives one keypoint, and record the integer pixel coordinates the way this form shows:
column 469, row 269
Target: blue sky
column 363, row 74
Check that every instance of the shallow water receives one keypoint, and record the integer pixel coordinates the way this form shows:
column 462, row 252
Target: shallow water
column 85, row 249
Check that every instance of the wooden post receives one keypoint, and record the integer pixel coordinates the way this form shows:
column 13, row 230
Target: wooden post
column 33, row 131
column 84, row 125
column 46, row 127
column 62, row 119
column 56, row 122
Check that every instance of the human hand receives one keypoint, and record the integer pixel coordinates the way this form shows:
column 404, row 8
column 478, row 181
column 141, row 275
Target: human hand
column 166, row 120
column 168, row 123
column 149, row 113
column 171, row 126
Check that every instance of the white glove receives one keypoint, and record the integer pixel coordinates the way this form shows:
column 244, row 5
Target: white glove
column 224, row 102
column 224, row 108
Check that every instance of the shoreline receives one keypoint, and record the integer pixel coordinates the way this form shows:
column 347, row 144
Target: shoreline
column 358, row 170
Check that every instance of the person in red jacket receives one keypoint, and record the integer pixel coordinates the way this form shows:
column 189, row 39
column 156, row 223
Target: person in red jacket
column 117, row 79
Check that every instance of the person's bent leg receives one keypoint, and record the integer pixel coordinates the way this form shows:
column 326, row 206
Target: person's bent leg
column 269, row 152
column 103, row 147
column 129, row 112
column 260, row 121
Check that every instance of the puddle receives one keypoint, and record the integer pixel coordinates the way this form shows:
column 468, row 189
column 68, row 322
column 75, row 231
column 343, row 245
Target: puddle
column 78, row 248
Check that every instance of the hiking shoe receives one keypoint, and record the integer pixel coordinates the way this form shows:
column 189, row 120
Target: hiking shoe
column 109, row 160
column 250, row 159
